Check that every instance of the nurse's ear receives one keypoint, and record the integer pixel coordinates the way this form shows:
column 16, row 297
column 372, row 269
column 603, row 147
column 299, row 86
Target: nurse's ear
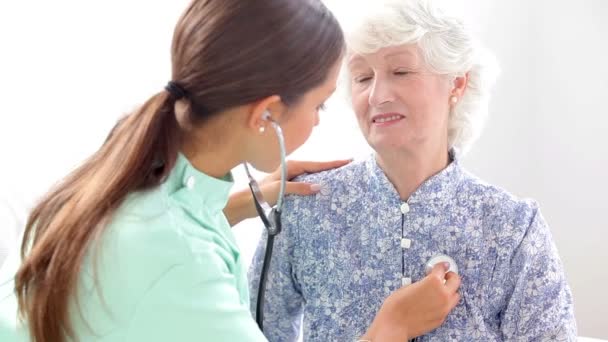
column 263, row 111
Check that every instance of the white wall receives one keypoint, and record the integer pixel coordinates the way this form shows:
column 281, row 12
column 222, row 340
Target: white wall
column 573, row 100
column 66, row 77
column 547, row 137
column 68, row 70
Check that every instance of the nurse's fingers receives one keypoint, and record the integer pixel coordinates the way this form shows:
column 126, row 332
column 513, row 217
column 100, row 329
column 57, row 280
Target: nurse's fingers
column 454, row 301
column 271, row 190
column 439, row 270
column 452, row 281
column 296, row 168
column 299, row 188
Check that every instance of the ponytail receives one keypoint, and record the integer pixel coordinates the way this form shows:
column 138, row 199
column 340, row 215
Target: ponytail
column 138, row 154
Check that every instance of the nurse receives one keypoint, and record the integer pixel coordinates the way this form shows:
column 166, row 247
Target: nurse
column 135, row 244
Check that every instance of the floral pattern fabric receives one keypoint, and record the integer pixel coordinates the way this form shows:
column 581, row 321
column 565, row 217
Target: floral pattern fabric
column 344, row 250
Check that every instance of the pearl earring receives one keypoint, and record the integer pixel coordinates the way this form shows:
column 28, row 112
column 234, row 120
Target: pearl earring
column 453, row 100
column 262, row 129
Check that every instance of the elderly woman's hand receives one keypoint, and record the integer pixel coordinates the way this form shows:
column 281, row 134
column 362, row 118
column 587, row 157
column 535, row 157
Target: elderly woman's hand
column 240, row 205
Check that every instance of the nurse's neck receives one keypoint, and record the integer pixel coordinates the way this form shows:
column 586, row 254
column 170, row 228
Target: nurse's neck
column 407, row 170
column 212, row 149
column 212, row 162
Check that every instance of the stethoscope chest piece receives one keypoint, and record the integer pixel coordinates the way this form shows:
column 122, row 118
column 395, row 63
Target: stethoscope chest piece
column 442, row 258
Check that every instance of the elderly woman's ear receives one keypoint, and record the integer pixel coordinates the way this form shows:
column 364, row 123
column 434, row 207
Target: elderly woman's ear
column 459, row 87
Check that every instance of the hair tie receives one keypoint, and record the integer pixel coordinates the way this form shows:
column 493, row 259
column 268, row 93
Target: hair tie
column 176, row 91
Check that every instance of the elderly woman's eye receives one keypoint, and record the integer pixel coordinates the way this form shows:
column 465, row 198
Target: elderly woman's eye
column 401, row 72
column 363, row 79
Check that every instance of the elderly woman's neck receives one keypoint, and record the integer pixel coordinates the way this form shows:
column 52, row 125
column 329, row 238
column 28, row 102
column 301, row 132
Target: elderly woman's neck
column 408, row 170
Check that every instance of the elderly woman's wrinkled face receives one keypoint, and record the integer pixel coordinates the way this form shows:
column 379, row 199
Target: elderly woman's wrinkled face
column 399, row 103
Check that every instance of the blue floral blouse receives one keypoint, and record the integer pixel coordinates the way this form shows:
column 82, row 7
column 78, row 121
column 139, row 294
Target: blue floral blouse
column 344, row 250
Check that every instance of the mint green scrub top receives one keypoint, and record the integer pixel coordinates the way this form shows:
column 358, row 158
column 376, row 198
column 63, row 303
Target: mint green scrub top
column 168, row 269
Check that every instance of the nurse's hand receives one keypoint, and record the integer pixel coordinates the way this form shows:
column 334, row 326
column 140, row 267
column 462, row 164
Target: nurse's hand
column 417, row 309
column 240, row 205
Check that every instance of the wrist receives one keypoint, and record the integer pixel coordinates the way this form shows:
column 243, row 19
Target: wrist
column 385, row 328
column 236, row 208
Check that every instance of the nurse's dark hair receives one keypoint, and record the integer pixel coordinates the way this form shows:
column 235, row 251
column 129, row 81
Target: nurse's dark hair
column 225, row 53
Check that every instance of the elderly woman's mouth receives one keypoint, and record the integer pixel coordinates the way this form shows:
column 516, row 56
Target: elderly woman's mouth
column 387, row 119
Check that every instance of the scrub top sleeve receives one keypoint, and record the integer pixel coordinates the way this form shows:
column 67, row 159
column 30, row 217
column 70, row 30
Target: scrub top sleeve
column 195, row 301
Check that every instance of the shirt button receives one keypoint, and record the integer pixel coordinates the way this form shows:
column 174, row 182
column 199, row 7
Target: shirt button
column 406, row 281
column 406, row 243
column 190, row 182
column 405, row 208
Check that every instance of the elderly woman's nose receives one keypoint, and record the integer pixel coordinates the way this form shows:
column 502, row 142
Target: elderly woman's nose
column 381, row 92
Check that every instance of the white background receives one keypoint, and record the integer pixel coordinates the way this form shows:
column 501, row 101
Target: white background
column 69, row 69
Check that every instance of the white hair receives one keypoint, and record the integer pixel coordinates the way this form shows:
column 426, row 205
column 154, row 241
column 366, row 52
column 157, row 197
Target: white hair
column 446, row 47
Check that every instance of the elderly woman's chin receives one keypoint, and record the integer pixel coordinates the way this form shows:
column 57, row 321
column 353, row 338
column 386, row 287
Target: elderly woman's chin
column 383, row 138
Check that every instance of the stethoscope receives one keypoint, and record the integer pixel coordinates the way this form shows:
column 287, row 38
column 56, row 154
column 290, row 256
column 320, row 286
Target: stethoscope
column 271, row 217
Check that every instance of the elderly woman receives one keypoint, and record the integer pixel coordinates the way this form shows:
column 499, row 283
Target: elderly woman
column 419, row 88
